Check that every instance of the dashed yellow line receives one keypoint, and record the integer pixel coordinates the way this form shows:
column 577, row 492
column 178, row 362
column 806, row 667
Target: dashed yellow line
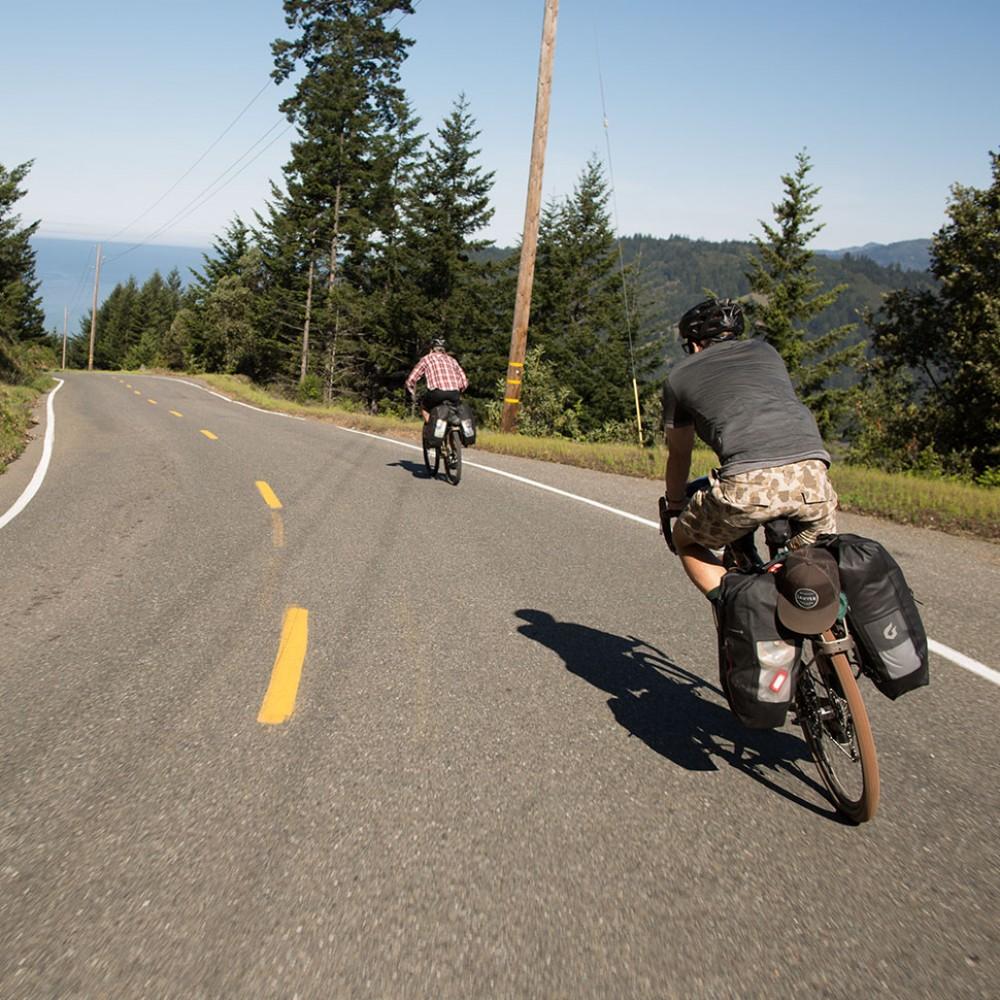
column 136, row 391
column 279, row 701
column 209, row 435
column 176, row 414
column 268, row 494
column 153, row 401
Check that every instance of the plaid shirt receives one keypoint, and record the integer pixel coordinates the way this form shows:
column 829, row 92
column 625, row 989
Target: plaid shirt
column 440, row 370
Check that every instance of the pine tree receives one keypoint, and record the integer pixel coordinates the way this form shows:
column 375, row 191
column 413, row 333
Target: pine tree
column 579, row 310
column 226, row 320
column 453, row 287
column 933, row 387
column 21, row 316
column 787, row 297
column 354, row 127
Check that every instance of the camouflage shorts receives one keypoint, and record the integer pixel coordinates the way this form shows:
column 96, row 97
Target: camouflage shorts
column 736, row 504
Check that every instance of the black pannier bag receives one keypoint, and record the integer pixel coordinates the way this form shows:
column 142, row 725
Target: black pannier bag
column 759, row 661
column 881, row 614
column 438, row 424
column 467, row 424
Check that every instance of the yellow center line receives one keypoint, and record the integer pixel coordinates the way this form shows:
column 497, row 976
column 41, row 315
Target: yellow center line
column 176, row 414
column 128, row 385
column 279, row 701
column 136, row 391
column 209, row 435
column 153, row 401
column 268, row 494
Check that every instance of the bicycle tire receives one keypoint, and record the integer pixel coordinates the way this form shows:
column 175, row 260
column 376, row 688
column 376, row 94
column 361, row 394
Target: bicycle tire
column 453, row 457
column 432, row 467
column 854, row 786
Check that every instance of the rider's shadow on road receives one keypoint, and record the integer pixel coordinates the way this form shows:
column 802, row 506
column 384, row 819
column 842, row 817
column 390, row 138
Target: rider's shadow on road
column 418, row 469
column 668, row 707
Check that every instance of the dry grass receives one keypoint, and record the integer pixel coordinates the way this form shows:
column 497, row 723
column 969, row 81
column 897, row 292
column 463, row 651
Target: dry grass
column 16, row 402
column 956, row 507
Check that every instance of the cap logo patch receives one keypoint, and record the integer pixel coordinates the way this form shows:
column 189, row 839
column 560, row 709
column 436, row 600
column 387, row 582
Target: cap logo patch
column 806, row 598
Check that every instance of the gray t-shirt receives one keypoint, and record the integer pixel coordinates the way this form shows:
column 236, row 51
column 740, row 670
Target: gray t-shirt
column 739, row 397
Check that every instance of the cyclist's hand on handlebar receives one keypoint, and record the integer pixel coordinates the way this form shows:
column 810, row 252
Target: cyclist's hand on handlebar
column 668, row 515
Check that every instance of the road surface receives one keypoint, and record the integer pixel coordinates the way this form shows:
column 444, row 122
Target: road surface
column 357, row 733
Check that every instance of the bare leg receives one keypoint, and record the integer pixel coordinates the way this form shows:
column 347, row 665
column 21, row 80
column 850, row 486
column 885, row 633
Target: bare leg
column 702, row 568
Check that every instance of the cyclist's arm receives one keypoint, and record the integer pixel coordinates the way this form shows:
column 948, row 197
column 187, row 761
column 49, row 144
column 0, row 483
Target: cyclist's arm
column 680, row 445
column 414, row 376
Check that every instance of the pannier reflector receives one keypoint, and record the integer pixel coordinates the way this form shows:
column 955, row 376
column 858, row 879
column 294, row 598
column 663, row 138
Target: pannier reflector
column 779, row 681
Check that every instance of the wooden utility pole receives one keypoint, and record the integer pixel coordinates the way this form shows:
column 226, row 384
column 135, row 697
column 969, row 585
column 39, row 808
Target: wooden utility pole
column 65, row 325
column 305, row 329
column 93, row 311
column 526, row 274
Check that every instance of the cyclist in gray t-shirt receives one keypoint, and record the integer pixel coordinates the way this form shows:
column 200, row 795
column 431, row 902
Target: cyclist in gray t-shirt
column 737, row 396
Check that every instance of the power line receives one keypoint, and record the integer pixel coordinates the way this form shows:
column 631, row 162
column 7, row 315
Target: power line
column 195, row 203
column 621, row 255
column 173, row 186
column 203, row 196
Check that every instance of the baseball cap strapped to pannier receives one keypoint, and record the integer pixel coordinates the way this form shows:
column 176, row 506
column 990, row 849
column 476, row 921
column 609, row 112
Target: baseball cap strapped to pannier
column 759, row 660
column 808, row 591
column 881, row 614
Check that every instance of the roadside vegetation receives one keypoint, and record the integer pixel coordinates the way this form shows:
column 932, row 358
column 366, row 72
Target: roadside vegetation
column 16, row 402
column 25, row 353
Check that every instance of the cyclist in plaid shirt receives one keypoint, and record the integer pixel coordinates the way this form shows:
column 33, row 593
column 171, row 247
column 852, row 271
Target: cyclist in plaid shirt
column 443, row 374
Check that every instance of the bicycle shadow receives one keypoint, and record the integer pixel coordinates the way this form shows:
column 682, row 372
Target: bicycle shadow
column 417, row 469
column 669, row 709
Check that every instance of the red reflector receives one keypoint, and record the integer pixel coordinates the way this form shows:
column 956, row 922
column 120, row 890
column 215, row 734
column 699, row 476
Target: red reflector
column 779, row 681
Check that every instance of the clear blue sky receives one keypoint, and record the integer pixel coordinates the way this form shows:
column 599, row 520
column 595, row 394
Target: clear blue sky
column 707, row 105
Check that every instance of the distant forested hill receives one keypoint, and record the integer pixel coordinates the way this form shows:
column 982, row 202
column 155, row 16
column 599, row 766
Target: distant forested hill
column 676, row 273
column 910, row 255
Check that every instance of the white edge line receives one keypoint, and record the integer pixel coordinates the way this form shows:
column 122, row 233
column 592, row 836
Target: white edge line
column 959, row 659
column 973, row 666
column 43, row 466
column 225, row 399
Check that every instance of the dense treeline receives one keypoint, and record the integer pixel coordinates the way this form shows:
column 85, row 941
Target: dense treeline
column 672, row 273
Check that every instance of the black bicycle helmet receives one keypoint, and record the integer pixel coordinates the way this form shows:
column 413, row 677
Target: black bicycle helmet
column 438, row 344
column 713, row 319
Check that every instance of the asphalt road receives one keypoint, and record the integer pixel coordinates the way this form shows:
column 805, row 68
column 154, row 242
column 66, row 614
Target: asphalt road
column 509, row 771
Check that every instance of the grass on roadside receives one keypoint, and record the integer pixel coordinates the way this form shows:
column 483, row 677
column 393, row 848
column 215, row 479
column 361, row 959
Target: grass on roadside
column 946, row 505
column 16, row 402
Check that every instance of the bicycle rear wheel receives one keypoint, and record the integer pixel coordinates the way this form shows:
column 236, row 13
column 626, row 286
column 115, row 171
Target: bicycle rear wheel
column 453, row 457
column 835, row 722
column 432, row 459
